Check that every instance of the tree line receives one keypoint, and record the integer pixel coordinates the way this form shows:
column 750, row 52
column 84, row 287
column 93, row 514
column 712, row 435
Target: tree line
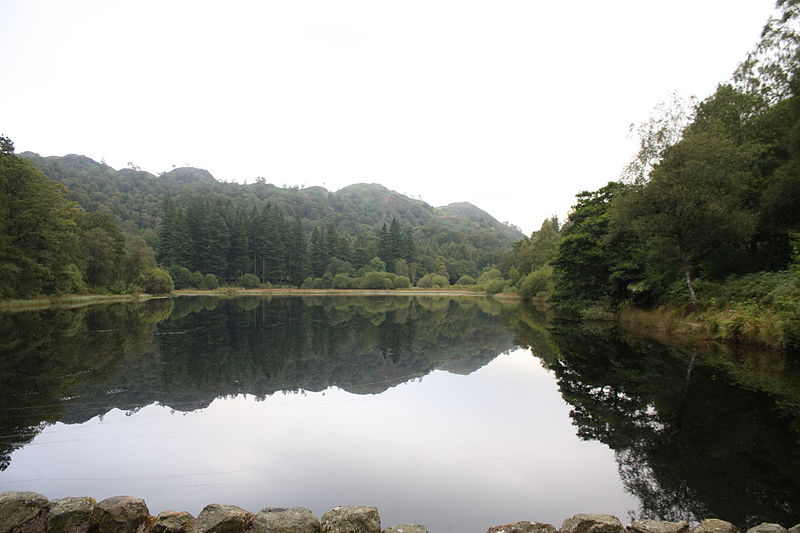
column 707, row 214
column 48, row 245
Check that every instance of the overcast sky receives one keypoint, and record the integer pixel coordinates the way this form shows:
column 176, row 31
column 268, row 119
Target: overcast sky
column 514, row 106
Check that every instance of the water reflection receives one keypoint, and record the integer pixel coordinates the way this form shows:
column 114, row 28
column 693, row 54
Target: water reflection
column 73, row 365
column 318, row 402
column 696, row 432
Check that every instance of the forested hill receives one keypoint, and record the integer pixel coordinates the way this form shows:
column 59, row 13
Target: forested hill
column 284, row 234
column 134, row 198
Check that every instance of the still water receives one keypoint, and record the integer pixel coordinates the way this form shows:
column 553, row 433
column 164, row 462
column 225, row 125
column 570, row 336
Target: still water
column 455, row 413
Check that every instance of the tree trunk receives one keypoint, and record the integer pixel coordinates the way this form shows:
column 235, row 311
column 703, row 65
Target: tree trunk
column 688, row 275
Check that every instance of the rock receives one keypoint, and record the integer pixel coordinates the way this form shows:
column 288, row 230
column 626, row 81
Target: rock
column 658, row 526
column 406, row 528
column 592, row 523
column 22, row 512
column 121, row 514
column 171, row 522
column 794, row 529
column 352, row 519
column 70, row 515
column 217, row 518
column 765, row 527
column 523, row 527
column 714, row 525
column 282, row 520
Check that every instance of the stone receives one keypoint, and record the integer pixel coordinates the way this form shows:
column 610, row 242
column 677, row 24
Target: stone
column 794, row 529
column 172, row 522
column 714, row 525
column 283, row 520
column 592, row 523
column 523, row 527
column 658, row 526
column 351, row 519
column 121, row 514
column 406, row 528
column 22, row 512
column 766, row 527
column 70, row 515
column 218, row 518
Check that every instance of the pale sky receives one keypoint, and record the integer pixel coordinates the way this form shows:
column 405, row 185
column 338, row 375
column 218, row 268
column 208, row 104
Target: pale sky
column 514, row 106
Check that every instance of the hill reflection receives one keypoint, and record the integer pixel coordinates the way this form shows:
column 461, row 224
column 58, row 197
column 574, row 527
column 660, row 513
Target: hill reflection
column 73, row 365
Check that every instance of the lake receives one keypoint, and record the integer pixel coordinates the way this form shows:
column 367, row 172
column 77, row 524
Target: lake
column 456, row 413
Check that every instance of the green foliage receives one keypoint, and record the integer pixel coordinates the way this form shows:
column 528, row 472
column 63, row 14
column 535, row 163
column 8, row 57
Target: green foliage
column 401, row 282
column 211, row 282
column 465, row 280
column 155, row 280
column 489, row 275
column 377, row 264
column 432, row 281
column 248, row 281
column 538, row 283
column 495, row 286
column 375, row 280
column 343, row 281
column 533, row 253
column 199, row 280
column 182, row 278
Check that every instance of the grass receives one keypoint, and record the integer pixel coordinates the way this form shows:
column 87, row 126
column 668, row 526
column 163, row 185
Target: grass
column 69, row 301
column 757, row 309
column 79, row 300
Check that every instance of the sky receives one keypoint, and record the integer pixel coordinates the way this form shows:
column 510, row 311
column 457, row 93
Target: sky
column 514, row 106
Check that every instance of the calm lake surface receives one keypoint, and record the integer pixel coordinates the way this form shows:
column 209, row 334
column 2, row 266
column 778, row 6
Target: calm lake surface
column 456, row 413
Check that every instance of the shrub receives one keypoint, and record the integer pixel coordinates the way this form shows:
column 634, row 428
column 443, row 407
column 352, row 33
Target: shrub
column 495, row 286
column 211, row 282
column 343, row 281
column 155, row 280
column 488, row 275
column 537, row 282
column 401, row 282
column 375, row 280
column 248, row 281
column 466, row 280
column 181, row 277
column 429, row 281
column 199, row 280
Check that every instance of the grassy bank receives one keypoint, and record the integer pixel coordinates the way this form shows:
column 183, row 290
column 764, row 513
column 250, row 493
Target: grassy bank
column 758, row 309
column 78, row 300
column 70, row 301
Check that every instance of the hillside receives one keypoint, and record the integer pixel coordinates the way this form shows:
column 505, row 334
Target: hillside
column 454, row 240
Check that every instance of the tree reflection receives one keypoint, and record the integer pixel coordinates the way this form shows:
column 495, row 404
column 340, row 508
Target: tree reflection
column 696, row 433
column 73, row 365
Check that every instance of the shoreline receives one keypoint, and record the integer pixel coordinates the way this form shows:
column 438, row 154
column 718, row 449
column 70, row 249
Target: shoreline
column 72, row 301
column 31, row 512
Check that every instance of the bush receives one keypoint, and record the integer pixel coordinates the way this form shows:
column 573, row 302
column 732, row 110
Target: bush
column 488, row 275
column 537, row 282
column 155, row 280
column 430, row 281
column 401, row 282
column 181, row 277
column 343, row 281
column 248, row 281
column 375, row 280
column 211, row 282
column 466, row 280
column 377, row 264
column 199, row 280
column 495, row 286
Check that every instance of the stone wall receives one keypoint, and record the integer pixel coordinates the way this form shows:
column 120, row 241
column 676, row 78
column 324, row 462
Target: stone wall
column 29, row 512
